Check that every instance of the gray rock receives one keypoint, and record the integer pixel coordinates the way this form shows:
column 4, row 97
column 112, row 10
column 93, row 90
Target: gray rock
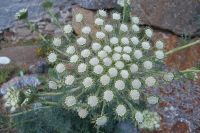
column 8, row 9
column 20, row 83
column 178, row 16
column 97, row 4
column 125, row 127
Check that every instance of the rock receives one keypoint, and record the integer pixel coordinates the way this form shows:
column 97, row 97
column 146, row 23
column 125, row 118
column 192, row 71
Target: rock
column 180, row 127
column 178, row 16
column 179, row 106
column 88, row 20
column 39, row 68
column 183, row 59
column 97, row 4
column 20, row 83
column 22, row 56
column 125, row 127
column 8, row 8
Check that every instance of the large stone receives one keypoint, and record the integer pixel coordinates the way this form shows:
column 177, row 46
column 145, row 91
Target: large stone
column 97, row 4
column 22, row 56
column 88, row 20
column 8, row 8
column 181, row 60
column 178, row 16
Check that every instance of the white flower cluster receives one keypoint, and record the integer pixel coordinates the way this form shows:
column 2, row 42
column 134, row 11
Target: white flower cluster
column 148, row 120
column 111, row 63
column 11, row 99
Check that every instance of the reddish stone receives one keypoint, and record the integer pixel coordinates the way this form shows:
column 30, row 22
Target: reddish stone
column 180, row 127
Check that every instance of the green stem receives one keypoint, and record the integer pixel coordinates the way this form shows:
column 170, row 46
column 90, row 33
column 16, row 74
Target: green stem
column 181, row 48
column 60, row 52
column 190, row 70
column 27, row 111
column 50, row 94
column 124, row 10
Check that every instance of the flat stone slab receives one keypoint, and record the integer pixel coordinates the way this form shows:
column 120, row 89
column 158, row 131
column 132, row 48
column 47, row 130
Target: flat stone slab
column 178, row 16
column 8, row 9
column 21, row 55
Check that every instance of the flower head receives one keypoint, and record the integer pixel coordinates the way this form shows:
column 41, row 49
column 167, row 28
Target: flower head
column 79, row 17
column 121, row 110
column 68, row 29
column 70, row 101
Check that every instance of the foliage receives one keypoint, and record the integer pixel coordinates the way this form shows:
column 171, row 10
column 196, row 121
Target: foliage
column 6, row 72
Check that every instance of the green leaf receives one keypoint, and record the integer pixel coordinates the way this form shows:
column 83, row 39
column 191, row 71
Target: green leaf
column 47, row 4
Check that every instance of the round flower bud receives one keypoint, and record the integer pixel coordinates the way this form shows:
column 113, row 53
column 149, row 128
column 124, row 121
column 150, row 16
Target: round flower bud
column 96, row 46
column 108, row 95
column 102, row 13
column 121, row 110
column 159, row 54
column 82, row 113
column 114, row 40
column 86, row 30
column 116, row 16
column 135, row 40
column 124, row 74
column 123, row 28
column 107, row 61
column 134, row 68
column 149, row 33
column 87, row 82
column 52, row 57
column 148, row 64
column 94, row 61
column 138, row 54
column 53, row 85
column 85, row 53
column 113, row 72
column 107, row 49
column 74, row 59
column 134, row 94
column 101, row 121
column 99, row 21
column 100, row 35
column 168, row 76
column 105, row 80
column 67, row 29
column 126, row 57
column 108, row 28
column 135, row 28
column 102, row 54
column 139, row 117
column 159, row 45
column 127, row 49
column 152, row 100
column 60, row 68
column 136, row 84
column 146, row 45
column 98, row 69
column 71, row 50
column 82, row 67
column 119, row 85
column 57, row 42
column 135, row 20
column 118, row 49
column 92, row 101
column 150, row 81
column 119, row 65
column 125, row 40
column 70, row 101
column 79, row 17
column 81, row 41
column 69, row 80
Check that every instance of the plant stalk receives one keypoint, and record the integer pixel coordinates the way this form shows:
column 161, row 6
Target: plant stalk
column 183, row 47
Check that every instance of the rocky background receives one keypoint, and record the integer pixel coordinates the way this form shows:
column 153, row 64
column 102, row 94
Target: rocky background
column 175, row 21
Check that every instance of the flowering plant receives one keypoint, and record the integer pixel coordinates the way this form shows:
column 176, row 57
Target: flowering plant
column 103, row 74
